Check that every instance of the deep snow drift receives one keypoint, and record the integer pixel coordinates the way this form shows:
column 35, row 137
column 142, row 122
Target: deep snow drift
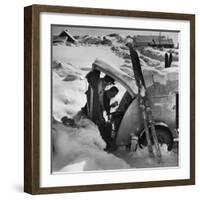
column 81, row 148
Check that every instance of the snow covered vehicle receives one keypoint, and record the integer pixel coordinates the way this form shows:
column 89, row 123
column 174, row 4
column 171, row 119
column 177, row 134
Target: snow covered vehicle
column 127, row 121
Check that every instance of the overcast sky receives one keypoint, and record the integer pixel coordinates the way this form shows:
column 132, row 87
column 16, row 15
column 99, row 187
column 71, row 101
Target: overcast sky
column 98, row 31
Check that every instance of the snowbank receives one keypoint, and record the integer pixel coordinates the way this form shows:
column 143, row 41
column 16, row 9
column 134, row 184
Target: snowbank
column 83, row 57
column 158, row 54
column 68, row 96
column 163, row 77
column 81, row 149
column 64, row 69
column 141, row 159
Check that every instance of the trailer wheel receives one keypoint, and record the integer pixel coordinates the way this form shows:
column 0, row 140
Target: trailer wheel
column 164, row 136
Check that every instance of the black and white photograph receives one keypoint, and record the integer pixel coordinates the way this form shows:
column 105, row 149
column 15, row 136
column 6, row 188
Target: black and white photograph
column 114, row 98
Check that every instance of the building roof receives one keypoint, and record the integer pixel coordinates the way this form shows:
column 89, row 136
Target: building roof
column 153, row 39
column 65, row 35
column 145, row 38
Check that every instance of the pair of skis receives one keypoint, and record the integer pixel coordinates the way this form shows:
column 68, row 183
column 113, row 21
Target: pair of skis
column 145, row 106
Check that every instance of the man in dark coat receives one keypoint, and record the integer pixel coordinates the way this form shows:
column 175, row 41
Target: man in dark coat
column 106, row 128
column 108, row 95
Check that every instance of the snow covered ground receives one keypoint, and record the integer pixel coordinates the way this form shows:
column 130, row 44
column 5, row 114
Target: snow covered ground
column 81, row 148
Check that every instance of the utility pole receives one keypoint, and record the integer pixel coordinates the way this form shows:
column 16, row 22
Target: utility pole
column 159, row 39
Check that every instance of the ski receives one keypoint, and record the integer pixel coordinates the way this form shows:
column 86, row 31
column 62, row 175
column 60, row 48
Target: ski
column 145, row 105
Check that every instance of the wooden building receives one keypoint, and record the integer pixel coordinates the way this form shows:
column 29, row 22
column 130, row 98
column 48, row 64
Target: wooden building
column 153, row 40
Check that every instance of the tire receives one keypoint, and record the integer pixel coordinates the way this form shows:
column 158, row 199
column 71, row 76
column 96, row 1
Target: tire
column 164, row 136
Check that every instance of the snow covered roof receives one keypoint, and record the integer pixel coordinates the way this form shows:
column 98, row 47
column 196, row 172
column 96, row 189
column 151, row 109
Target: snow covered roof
column 64, row 35
column 127, row 81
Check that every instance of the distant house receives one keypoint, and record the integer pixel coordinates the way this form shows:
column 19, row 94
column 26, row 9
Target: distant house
column 64, row 37
column 153, row 40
